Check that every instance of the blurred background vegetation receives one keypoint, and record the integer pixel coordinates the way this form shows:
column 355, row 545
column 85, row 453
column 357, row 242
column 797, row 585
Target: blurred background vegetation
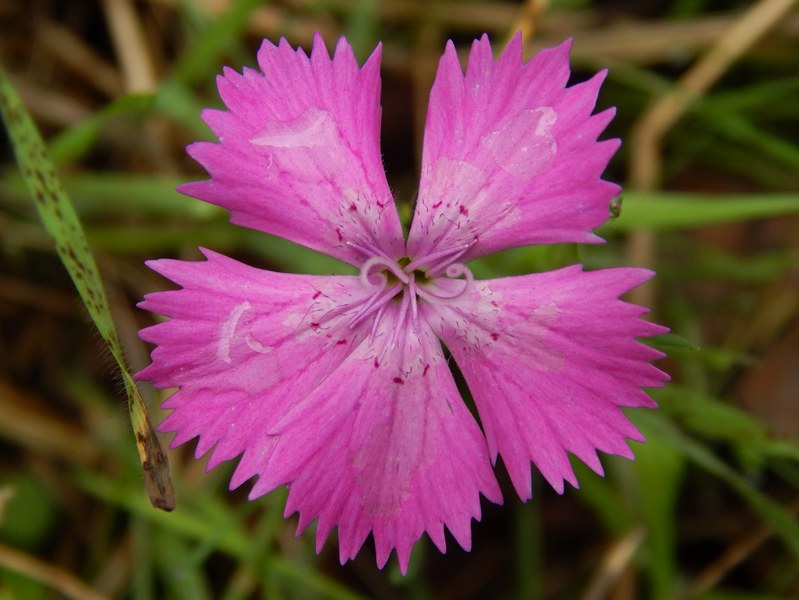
column 708, row 108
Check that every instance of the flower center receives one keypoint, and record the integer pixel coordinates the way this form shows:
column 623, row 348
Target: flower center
column 434, row 278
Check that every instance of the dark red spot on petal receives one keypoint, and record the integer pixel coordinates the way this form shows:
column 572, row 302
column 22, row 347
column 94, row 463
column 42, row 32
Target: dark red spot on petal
column 353, row 207
column 437, row 204
column 317, row 294
column 399, row 381
column 315, row 326
column 340, row 342
column 495, row 336
column 463, row 210
column 426, row 369
column 377, row 364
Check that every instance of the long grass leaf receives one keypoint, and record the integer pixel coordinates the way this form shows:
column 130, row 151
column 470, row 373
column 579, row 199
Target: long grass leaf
column 204, row 54
column 670, row 211
column 780, row 520
column 62, row 224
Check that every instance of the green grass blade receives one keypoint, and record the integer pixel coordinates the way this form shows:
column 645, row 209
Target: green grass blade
column 780, row 520
column 528, row 554
column 62, row 224
column 75, row 142
column 203, row 57
column 659, row 474
column 223, row 533
column 671, row 211
column 361, row 28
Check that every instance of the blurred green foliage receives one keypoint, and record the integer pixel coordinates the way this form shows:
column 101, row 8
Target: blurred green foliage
column 732, row 162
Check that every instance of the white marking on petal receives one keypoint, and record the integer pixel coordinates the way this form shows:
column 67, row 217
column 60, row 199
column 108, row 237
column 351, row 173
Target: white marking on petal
column 545, row 314
column 312, row 128
column 256, row 345
column 540, row 322
column 269, row 172
column 524, row 145
column 229, row 329
column 459, row 203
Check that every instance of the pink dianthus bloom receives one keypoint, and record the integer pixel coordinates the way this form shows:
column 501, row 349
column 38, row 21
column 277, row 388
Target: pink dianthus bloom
column 337, row 386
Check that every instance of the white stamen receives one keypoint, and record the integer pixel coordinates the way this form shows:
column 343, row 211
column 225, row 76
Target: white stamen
column 376, row 266
column 439, row 295
column 412, row 287
column 365, row 246
column 383, row 278
column 373, row 332
column 399, row 326
column 375, row 302
column 434, row 259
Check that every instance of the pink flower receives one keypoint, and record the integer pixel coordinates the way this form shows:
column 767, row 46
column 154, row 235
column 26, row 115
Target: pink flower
column 337, row 386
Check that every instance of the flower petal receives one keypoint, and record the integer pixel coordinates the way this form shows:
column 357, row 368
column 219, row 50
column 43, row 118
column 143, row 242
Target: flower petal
column 510, row 154
column 384, row 444
column 299, row 151
column 242, row 345
column 550, row 358
column 367, row 427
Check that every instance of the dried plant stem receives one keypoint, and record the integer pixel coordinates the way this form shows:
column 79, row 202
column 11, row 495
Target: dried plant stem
column 643, row 42
column 635, row 41
column 731, row 558
column 131, row 46
column 49, row 107
column 647, row 133
column 614, row 564
column 668, row 109
column 50, row 575
column 41, row 432
column 528, row 18
column 22, row 292
column 73, row 52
